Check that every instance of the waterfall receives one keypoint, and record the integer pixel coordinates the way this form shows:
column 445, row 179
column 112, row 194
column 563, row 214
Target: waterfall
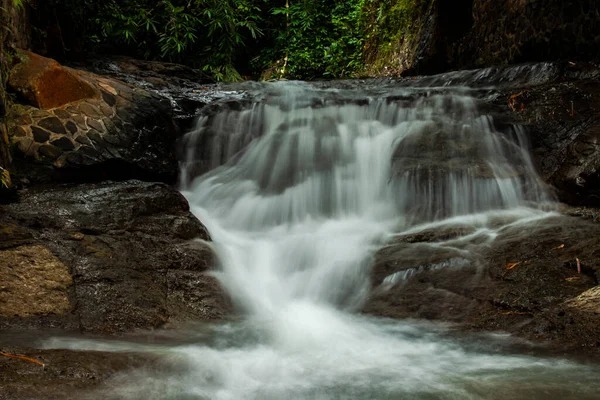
column 298, row 188
column 307, row 182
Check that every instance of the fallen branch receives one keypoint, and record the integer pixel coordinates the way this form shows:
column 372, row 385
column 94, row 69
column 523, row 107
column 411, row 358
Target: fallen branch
column 512, row 265
column 21, row 357
column 509, row 267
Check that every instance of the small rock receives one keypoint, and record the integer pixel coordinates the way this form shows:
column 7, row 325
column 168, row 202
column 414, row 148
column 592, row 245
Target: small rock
column 40, row 135
column 49, row 151
column 20, row 132
column 96, row 137
column 60, row 113
column 90, row 110
column 83, row 139
column 53, row 124
column 77, row 236
column 26, row 147
column 89, row 151
column 106, row 110
column 96, row 125
column 108, row 88
column 71, row 127
column 113, row 152
column 109, row 98
column 80, row 121
column 110, row 126
column 112, row 139
column 24, row 119
column 64, row 143
column 75, row 158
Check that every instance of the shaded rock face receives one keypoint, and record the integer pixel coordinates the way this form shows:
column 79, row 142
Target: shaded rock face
column 478, row 33
column 109, row 130
column 131, row 251
column 522, row 279
column 509, row 31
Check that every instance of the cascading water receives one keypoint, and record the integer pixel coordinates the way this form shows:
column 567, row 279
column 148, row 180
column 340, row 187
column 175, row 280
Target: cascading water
column 297, row 214
column 298, row 191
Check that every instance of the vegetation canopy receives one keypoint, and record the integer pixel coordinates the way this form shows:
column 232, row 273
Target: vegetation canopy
column 297, row 39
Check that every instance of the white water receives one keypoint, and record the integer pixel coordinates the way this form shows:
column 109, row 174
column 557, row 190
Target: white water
column 295, row 221
column 296, row 218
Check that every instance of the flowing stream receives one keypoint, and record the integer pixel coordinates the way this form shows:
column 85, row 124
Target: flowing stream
column 298, row 191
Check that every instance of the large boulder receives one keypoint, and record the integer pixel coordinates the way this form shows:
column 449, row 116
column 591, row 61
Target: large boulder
column 105, row 129
column 109, row 257
column 45, row 84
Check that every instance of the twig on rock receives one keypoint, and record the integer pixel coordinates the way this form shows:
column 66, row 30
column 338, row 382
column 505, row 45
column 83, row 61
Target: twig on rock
column 21, row 357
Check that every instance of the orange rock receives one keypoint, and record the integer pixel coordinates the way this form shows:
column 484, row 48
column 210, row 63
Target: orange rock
column 45, row 84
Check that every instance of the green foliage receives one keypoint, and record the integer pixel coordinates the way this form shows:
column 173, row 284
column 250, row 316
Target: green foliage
column 170, row 30
column 389, row 22
column 301, row 39
column 19, row 3
column 317, row 38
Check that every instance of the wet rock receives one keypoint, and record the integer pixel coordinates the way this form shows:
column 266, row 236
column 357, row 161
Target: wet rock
column 46, row 84
column 522, row 279
column 66, row 374
column 136, row 263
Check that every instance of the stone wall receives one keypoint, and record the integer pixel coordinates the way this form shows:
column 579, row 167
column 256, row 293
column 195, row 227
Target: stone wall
column 100, row 128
